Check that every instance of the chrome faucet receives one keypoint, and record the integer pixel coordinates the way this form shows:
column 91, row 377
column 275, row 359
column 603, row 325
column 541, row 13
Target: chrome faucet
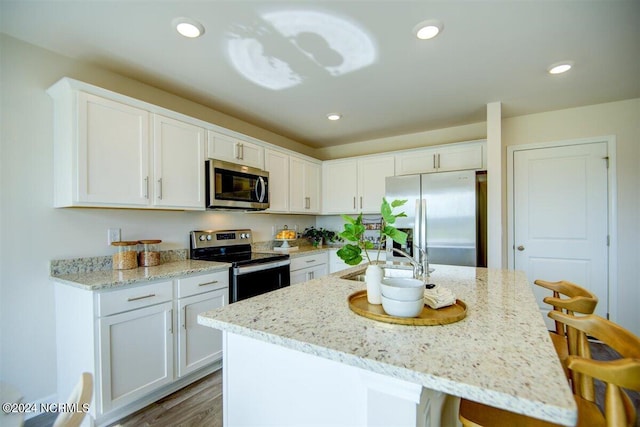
column 421, row 267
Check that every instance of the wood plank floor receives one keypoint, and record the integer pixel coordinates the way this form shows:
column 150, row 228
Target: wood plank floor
column 198, row 404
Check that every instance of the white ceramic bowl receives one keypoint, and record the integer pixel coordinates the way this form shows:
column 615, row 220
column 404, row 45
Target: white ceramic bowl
column 402, row 289
column 402, row 308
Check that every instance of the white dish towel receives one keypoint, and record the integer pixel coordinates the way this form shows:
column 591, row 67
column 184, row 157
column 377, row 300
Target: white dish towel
column 439, row 297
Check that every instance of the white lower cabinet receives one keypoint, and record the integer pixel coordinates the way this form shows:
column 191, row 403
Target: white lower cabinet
column 140, row 342
column 198, row 345
column 136, row 354
column 308, row 267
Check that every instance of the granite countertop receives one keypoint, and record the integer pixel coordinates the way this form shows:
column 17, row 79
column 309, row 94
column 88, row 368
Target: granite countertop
column 500, row 354
column 107, row 279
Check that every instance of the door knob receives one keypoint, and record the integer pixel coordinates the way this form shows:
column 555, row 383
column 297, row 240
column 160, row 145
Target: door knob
column 520, row 248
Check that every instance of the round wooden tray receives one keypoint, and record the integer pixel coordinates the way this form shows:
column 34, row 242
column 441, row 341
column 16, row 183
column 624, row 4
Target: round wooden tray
column 358, row 304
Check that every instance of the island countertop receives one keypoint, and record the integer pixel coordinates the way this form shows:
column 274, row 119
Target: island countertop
column 500, row 354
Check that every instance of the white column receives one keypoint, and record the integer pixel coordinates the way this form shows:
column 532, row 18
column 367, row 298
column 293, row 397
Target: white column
column 494, row 186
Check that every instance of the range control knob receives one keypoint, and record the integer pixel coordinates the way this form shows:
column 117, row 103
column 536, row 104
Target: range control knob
column 208, row 236
column 201, row 238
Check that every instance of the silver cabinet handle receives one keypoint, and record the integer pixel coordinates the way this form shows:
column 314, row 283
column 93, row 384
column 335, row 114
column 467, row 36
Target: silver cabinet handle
column 360, row 202
column 146, row 187
column 307, row 202
column 184, row 321
column 240, row 151
column 142, row 297
column 160, row 189
column 354, row 202
column 439, row 166
column 311, row 260
column 434, row 161
column 520, row 248
column 171, row 324
column 213, row 282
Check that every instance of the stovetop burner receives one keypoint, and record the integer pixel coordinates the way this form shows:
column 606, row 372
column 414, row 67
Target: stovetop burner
column 232, row 246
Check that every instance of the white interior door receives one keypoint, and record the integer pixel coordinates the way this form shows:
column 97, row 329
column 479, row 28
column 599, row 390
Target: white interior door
column 560, row 216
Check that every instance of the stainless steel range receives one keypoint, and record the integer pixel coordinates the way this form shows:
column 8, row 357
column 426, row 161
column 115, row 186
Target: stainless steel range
column 252, row 273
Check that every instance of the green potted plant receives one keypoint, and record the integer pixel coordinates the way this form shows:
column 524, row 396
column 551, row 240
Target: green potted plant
column 351, row 253
column 317, row 235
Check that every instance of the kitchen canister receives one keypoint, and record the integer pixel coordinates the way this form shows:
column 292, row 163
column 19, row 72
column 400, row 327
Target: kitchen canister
column 149, row 254
column 125, row 255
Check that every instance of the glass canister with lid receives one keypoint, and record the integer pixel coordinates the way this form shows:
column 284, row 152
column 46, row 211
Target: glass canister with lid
column 149, row 254
column 125, row 255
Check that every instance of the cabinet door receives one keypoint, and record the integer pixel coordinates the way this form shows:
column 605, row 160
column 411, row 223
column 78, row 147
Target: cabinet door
column 304, row 186
column 113, row 153
column 234, row 150
column 306, row 274
column 339, row 187
column 199, row 345
column 371, row 182
column 178, row 160
column 312, row 187
column 136, row 354
column 277, row 164
column 419, row 161
column 461, row 157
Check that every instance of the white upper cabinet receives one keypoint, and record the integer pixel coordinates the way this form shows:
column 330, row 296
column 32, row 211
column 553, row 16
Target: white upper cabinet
column 355, row 185
column 111, row 161
column 178, row 164
column 441, row 159
column 114, row 151
column 304, row 186
column 234, row 150
column 277, row 164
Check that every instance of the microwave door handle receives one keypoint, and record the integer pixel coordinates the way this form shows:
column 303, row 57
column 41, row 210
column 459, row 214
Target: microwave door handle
column 260, row 185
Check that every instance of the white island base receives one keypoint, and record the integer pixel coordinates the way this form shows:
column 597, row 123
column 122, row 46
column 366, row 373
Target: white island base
column 266, row 384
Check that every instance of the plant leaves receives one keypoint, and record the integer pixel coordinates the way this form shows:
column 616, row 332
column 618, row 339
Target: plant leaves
column 398, row 236
column 350, row 254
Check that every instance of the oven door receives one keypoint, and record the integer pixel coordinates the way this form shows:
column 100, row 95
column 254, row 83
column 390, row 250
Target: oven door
column 231, row 186
column 254, row 279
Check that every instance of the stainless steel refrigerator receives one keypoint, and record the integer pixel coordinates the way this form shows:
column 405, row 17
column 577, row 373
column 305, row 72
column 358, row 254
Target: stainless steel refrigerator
column 445, row 215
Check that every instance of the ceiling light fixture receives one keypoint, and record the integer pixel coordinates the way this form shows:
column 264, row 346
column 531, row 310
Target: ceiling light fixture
column 188, row 27
column 428, row 29
column 334, row 116
column 560, row 67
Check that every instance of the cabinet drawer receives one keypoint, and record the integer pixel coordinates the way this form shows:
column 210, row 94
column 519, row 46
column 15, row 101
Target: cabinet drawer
column 126, row 299
column 203, row 283
column 308, row 261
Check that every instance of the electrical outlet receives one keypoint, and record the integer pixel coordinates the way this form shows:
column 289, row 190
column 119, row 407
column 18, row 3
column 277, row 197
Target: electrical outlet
column 113, row 235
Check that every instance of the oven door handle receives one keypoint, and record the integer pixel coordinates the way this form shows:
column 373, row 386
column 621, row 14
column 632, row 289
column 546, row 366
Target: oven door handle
column 238, row 271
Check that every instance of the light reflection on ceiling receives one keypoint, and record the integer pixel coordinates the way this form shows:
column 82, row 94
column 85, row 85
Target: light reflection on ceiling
column 282, row 49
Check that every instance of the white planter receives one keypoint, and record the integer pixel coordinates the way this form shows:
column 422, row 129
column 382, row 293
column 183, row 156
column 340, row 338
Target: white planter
column 373, row 277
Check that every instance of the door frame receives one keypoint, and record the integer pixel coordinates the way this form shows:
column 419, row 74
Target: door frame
column 612, row 218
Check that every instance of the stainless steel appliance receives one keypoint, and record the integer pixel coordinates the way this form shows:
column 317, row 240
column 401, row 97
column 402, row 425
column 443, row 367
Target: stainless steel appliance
column 445, row 216
column 232, row 186
column 251, row 273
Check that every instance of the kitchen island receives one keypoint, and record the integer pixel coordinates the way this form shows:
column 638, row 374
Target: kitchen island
column 300, row 356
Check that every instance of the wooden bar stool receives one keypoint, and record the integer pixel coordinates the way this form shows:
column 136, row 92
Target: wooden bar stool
column 624, row 372
column 578, row 300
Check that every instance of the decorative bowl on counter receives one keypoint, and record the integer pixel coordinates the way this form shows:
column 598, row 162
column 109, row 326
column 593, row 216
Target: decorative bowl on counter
column 402, row 308
column 402, row 289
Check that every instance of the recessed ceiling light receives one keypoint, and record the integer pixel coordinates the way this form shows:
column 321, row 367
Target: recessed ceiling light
column 428, row 29
column 188, row 27
column 334, row 116
column 560, row 67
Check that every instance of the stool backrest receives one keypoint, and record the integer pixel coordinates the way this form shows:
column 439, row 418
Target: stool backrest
column 616, row 374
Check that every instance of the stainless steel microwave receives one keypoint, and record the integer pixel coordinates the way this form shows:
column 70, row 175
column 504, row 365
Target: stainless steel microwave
column 232, row 186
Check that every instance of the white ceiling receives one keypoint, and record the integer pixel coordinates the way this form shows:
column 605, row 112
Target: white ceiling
column 304, row 59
